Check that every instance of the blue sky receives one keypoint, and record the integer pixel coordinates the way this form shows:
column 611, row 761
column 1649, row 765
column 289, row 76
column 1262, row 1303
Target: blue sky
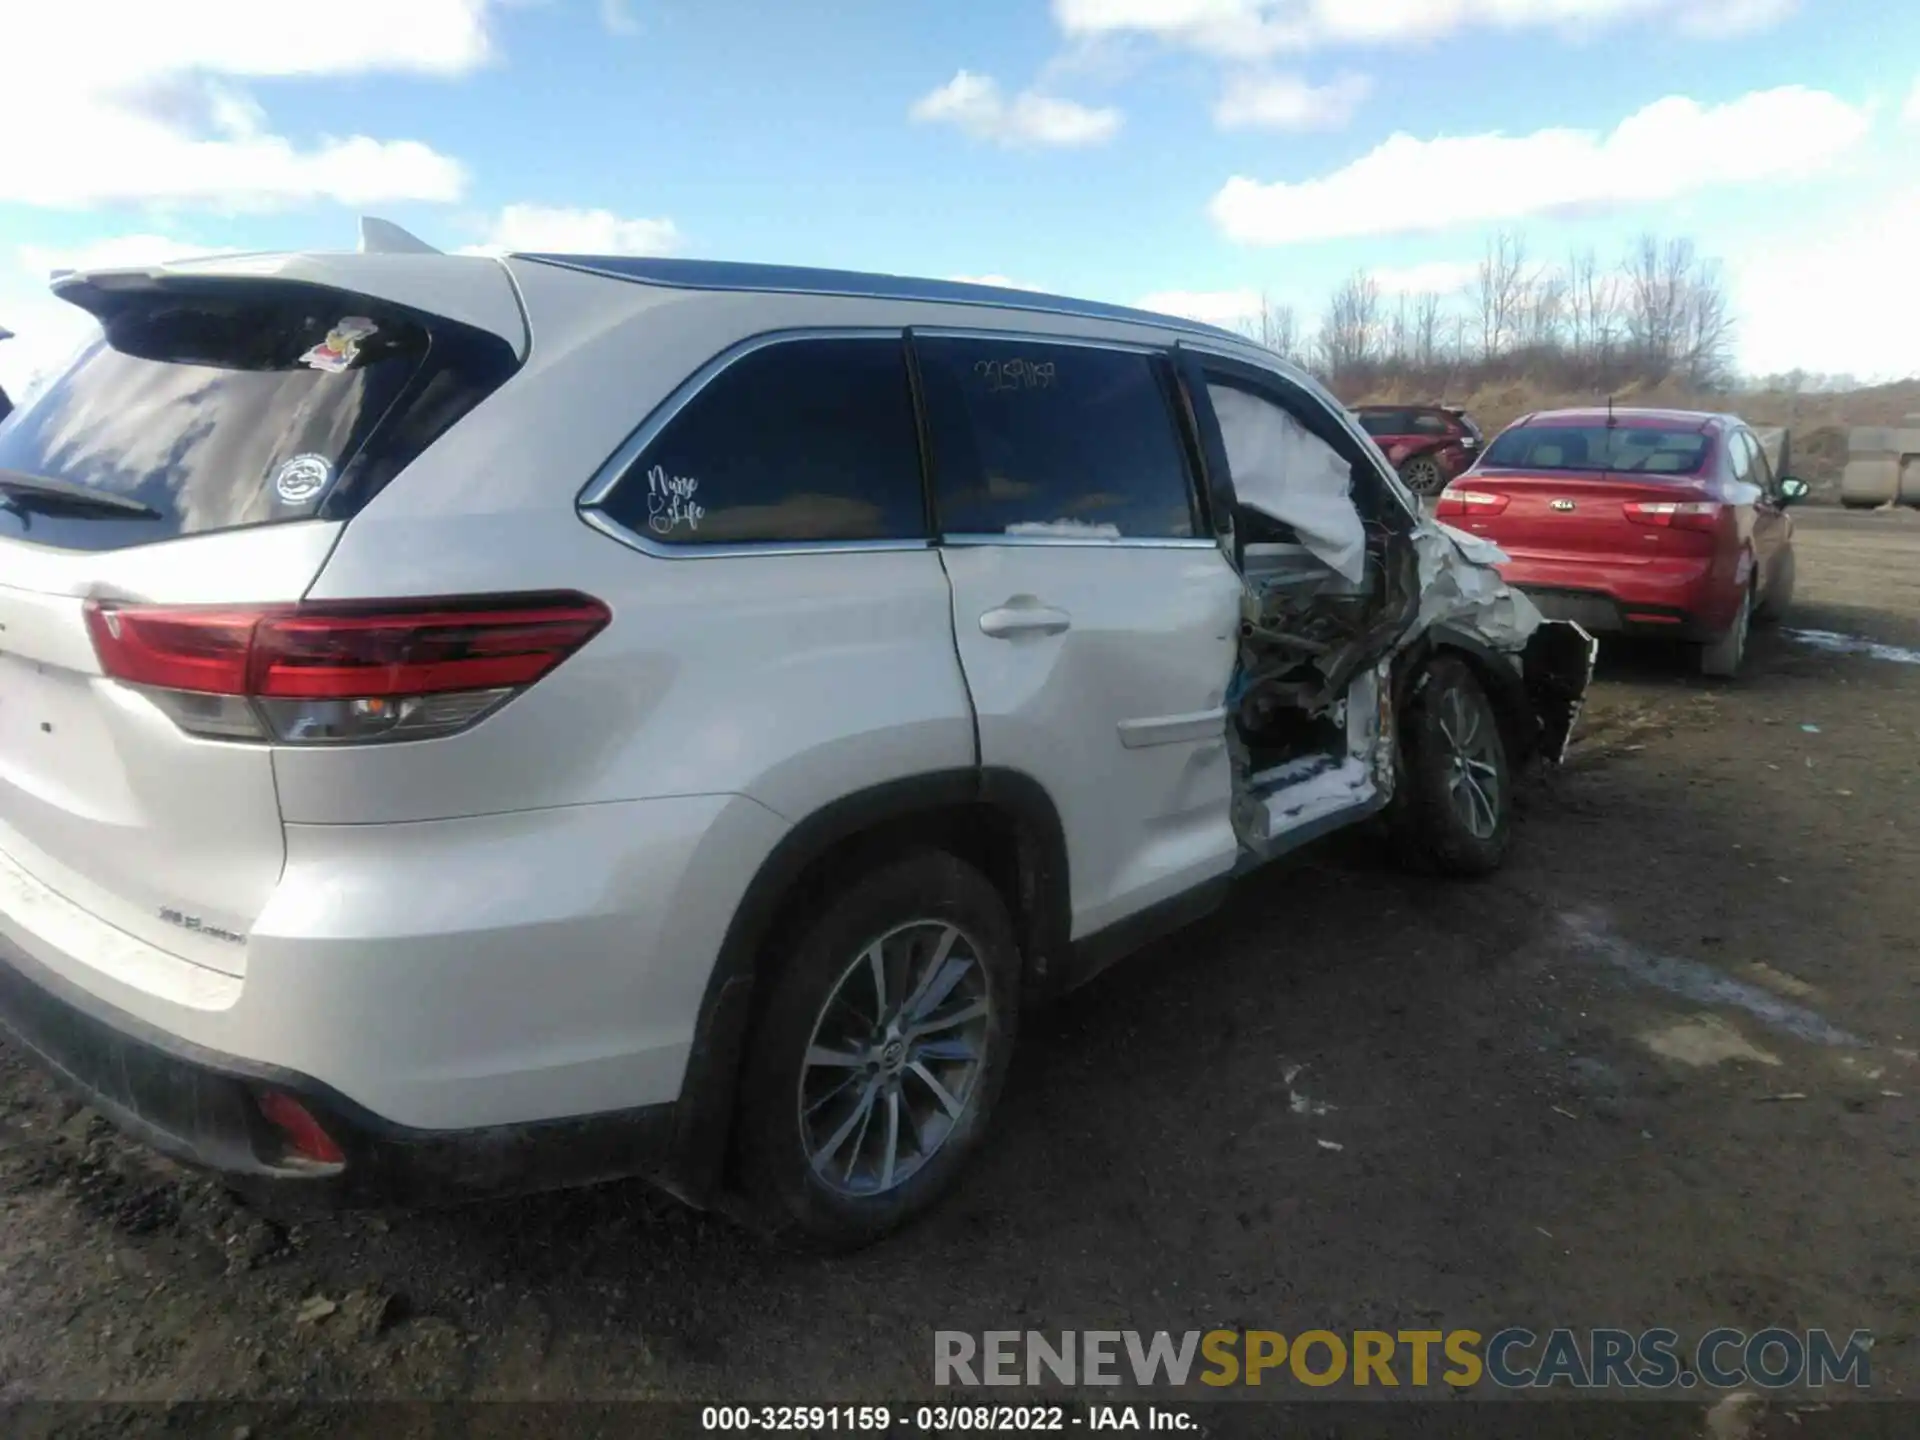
column 1192, row 153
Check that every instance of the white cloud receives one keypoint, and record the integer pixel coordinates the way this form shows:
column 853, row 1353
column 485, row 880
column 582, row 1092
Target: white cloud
column 976, row 104
column 577, row 232
column 46, row 329
column 1432, row 277
column 1243, row 29
column 111, row 102
column 1289, row 102
column 1670, row 148
column 1209, row 307
column 1001, row 281
column 618, row 18
column 1839, row 305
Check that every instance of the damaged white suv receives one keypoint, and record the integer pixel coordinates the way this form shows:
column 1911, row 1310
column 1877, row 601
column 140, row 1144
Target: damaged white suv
column 471, row 725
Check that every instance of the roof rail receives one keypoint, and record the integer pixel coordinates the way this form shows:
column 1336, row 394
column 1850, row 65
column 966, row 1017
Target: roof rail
column 383, row 237
column 803, row 280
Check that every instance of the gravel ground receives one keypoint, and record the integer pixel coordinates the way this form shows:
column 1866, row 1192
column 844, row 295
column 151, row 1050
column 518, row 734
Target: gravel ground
column 1559, row 1097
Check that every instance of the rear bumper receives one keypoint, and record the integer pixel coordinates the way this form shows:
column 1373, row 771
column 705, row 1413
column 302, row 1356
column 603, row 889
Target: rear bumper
column 1679, row 599
column 202, row 1108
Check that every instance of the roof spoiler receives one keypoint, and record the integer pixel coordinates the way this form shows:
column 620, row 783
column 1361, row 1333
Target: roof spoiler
column 383, row 237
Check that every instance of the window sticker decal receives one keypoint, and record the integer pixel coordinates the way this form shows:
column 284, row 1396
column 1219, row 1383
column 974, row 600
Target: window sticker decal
column 670, row 501
column 302, row 478
column 342, row 346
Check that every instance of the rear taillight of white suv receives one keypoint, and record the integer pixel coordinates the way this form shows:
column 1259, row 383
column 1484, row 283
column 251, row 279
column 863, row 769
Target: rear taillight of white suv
column 339, row 673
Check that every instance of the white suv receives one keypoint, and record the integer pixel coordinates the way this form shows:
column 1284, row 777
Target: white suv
column 471, row 725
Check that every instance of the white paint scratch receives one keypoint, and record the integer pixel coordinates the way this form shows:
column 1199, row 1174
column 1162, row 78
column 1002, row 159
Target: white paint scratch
column 1699, row 982
column 1298, row 1103
column 1704, row 1042
column 1838, row 644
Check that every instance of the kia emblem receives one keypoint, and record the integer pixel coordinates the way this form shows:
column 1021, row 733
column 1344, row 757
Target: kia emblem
column 1563, row 505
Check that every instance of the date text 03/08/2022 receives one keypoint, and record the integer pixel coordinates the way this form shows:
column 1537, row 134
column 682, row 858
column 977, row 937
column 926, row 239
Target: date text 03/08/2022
column 940, row 1419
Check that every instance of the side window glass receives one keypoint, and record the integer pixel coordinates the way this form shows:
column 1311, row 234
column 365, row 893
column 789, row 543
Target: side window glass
column 1425, row 422
column 805, row 440
column 1762, row 467
column 1039, row 439
column 1740, row 452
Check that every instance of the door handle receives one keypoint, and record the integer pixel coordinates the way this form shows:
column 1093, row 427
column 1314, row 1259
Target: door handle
column 1024, row 615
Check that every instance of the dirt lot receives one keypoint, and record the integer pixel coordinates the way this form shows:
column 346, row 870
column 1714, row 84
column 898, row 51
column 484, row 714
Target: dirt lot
column 1662, row 1071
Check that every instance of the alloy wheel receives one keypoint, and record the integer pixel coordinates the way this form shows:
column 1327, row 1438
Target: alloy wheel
column 1423, row 476
column 1472, row 764
column 895, row 1058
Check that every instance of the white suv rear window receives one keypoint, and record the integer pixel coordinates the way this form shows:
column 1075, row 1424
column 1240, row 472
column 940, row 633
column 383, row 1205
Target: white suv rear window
column 225, row 406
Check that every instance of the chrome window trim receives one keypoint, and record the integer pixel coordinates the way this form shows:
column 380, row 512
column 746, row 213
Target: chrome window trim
column 1030, row 337
column 1082, row 542
column 615, row 468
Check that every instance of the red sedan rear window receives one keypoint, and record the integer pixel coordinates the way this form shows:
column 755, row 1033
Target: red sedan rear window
column 1634, row 449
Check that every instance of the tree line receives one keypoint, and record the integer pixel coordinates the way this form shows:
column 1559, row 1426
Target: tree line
column 1660, row 313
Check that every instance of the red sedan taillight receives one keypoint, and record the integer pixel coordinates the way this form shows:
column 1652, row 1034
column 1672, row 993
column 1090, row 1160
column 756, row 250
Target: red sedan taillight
column 1674, row 515
column 1455, row 504
column 339, row 673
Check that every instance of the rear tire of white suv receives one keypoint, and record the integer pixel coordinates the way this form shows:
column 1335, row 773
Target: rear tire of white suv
column 884, row 1039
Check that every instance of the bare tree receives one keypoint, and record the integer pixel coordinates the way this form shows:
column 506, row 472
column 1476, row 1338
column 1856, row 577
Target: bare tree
column 1678, row 315
column 1350, row 330
column 1579, row 326
column 1428, row 313
column 1707, row 328
column 1398, row 345
column 1277, row 327
column 1593, row 312
column 1498, row 292
column 1543, row 306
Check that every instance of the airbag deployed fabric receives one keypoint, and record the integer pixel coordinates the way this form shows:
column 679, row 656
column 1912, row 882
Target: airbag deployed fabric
column 1282, row 470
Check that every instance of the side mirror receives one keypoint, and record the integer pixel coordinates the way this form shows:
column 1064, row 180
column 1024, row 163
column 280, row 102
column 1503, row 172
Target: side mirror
column 1793, row 490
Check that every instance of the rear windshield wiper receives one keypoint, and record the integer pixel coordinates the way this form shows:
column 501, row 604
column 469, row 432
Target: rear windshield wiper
column 23, row 491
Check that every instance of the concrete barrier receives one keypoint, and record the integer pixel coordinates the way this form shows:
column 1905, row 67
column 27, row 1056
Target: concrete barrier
column 1883, row 465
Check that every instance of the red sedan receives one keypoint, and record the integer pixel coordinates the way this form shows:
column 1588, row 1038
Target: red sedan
column 1638, row 522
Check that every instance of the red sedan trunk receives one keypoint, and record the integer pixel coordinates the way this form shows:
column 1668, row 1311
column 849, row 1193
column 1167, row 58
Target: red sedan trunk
column 1615, row 552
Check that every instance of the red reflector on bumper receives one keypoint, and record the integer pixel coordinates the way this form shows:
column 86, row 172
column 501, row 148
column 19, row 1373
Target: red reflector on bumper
column 304, row 1135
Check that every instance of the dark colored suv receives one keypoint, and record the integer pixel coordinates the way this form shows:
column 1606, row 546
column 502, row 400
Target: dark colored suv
column 1427, row 444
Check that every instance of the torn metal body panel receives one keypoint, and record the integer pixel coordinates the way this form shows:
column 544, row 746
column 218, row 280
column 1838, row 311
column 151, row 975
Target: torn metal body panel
column 1327, row 630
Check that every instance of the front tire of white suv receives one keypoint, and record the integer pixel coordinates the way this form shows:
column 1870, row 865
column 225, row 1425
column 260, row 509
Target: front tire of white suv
column 884, row 1039
column 1452, row 811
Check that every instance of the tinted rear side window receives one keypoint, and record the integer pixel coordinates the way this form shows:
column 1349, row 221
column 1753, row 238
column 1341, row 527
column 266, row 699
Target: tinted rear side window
column 1627, row 449
column 1067, row 441
column 232, row 404
column 1384, row 422
column 805, row 440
